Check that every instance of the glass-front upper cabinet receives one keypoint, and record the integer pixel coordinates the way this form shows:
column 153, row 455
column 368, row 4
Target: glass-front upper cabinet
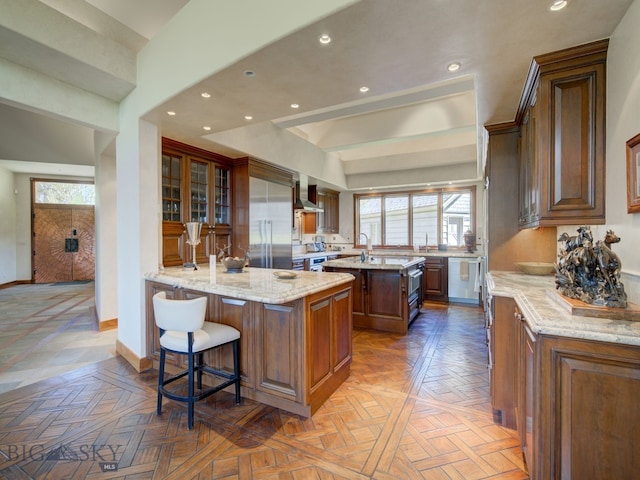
column 222, row 196
column 199, row 191
column 171, row 190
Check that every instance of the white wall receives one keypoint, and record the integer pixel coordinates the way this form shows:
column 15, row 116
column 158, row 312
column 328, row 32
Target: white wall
column 106, row 239
column 7, row 227
column 623, row 122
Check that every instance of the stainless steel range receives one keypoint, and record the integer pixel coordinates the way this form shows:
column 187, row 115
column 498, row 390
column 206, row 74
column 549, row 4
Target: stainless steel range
column 315, row 263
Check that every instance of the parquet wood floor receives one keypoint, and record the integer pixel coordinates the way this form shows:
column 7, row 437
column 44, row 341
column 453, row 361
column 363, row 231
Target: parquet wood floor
column 414, row 407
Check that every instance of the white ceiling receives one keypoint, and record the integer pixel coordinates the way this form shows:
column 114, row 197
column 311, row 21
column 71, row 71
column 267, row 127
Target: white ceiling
column 415, row 115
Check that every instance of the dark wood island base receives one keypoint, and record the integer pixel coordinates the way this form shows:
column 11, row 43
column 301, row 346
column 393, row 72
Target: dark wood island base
column 293, row 355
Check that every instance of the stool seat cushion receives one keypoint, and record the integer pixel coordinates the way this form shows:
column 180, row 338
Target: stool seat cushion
column 211, row 335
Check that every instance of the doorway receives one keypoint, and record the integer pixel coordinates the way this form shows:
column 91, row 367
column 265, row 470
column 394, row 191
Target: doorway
column 63, row 233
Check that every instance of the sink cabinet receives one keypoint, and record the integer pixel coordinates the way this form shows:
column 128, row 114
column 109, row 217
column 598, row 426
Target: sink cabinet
column 562, row 142
column 436, row 279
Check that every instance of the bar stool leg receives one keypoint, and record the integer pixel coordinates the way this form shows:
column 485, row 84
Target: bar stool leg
column 160, row 380
column 199, row 369
column 190, row 400
column 236, row 369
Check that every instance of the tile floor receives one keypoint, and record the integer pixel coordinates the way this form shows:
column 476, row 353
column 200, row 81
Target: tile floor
column 48, row 329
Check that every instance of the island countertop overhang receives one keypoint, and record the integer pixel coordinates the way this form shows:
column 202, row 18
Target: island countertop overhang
column 254, row 284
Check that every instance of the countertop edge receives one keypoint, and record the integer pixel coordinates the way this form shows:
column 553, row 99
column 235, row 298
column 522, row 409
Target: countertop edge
column 545, row 317
column 329, row 280
column 358, row 265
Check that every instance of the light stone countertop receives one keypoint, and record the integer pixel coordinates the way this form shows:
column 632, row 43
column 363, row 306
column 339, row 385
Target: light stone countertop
column 255, row 284
column 389, row 253
column 412, row 253
column 544, row 314
column 383, row 262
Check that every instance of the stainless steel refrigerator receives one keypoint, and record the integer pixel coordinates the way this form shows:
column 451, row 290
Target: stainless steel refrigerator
column 270, row 214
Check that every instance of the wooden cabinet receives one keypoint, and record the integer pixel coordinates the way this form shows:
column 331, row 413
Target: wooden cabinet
column 327, row 221
column 528, row 395
column 329, row 338
column 529, row 191
column 436, row 279
column 575, row 401
column 279, row 338
column 196, row 187
column 292, row 356
column 562, row 147
column 502, row 344
column 587, row 413
column 383, row 299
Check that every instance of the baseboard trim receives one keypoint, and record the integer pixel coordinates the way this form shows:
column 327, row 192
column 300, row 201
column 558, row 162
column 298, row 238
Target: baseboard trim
column 107, row 325
column 139, row 363
column 14, row 283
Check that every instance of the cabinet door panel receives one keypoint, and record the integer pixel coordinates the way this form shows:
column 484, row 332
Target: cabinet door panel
column 343, row 328
column 320, row 341
column 384, row 293
column 278, row 339
column 572, row 174
column 237, row 314
column 594, row 396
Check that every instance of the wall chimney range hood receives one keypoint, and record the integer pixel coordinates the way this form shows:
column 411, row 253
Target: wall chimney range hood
column 302, row 197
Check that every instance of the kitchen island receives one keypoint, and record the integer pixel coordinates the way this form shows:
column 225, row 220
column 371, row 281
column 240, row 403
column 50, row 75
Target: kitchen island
column 388, row 290
column 569, row 384
column 296, row 333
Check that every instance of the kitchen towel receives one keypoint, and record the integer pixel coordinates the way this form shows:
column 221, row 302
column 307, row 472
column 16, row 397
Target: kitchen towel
column 464, row 271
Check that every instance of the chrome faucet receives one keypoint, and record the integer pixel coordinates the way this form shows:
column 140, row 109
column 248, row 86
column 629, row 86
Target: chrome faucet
column 364, row 256
column 365, row 236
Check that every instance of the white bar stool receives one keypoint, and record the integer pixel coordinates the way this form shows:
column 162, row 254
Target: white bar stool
column 184, row 331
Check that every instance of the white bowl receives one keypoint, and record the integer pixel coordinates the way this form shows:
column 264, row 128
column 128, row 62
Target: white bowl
column 536, row 268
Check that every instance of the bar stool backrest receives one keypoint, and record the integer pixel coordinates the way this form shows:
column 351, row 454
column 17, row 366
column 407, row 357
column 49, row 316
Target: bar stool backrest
column 179, row 315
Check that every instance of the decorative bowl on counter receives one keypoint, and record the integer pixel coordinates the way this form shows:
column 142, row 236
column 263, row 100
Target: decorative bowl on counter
column 536, row 268
column 234, row 264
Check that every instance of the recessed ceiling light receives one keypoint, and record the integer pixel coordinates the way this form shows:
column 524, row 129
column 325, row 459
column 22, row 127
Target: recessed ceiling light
column 324, row 39
column 205, row 95
column 558, row 5
column 248, row 117
column 295, row 105
column 364, row 89
column 206, row 127
column 249, row 73
column 171, row 113
column 452, row 67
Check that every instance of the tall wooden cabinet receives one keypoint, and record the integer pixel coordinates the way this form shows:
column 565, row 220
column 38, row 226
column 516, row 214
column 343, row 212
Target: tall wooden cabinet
column 196, row 187
column 562, row 145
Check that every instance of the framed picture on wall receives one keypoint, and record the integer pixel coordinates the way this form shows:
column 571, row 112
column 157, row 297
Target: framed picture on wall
column 633, row 174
